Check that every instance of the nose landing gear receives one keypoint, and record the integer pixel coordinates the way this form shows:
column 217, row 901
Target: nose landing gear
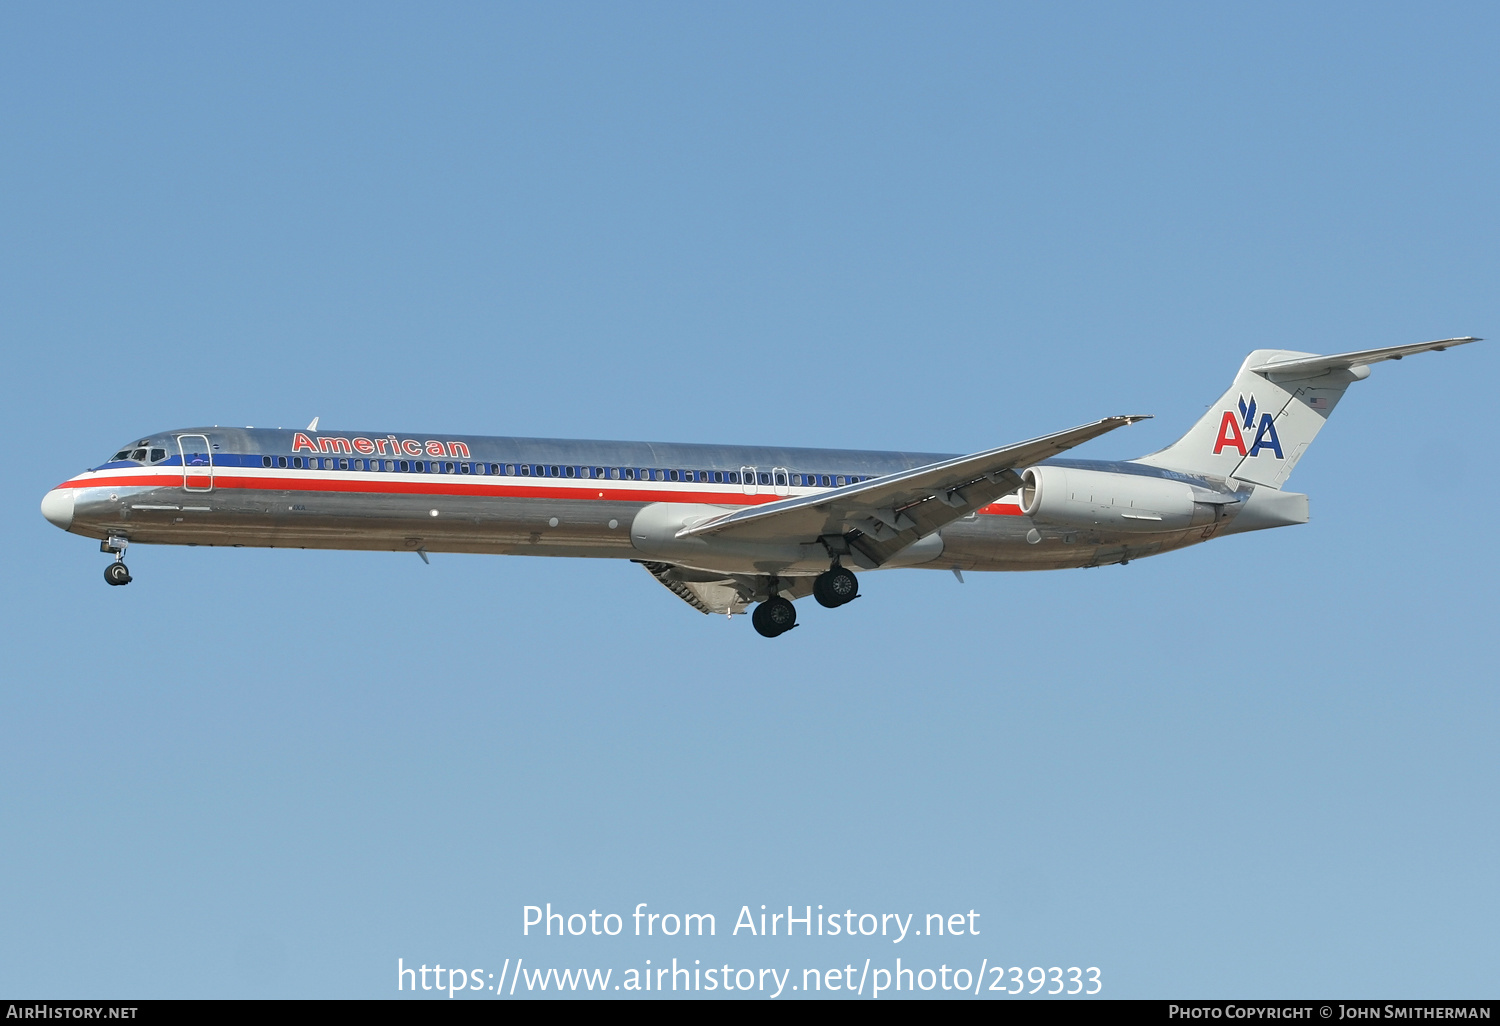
column 116, row 573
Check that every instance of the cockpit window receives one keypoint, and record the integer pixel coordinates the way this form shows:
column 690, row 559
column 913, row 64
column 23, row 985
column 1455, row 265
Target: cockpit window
column 157, row 455
column 139, row 454
column 123, row 454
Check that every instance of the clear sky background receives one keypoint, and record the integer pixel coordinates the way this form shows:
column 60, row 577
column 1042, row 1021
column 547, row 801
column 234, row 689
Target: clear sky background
column 1261, row 767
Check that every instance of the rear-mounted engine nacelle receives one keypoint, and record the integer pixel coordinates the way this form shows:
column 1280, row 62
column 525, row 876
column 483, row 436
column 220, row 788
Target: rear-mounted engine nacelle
column 1065, row 497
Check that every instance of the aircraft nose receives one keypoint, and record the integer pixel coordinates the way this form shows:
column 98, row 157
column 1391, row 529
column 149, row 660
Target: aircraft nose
column 57, row 506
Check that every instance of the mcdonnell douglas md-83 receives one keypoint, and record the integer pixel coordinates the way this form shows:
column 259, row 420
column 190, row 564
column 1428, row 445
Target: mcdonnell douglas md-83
column 727, row 527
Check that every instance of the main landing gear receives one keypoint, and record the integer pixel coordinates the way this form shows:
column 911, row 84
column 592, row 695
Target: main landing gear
column 773, row 617
column 116, row 573
column 836, row 587
column 776, row 615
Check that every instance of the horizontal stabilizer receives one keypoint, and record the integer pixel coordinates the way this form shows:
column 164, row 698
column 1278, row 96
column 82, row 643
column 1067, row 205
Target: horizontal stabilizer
column 1312, row 366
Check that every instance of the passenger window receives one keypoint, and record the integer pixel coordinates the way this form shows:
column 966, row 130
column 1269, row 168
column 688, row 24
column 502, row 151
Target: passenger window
column 781, row 477
column 265, row 461
column 841, row 480
column 281, row 462
column 343, row 464
column 567, row 471
column 764, row 478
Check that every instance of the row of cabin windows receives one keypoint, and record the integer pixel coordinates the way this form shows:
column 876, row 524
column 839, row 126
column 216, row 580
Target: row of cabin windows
column 550, row 470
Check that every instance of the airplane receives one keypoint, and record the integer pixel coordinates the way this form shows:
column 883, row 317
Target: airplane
column 727, row 527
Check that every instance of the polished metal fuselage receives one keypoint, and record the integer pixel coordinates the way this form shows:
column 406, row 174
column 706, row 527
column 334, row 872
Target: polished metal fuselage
column 587, row 509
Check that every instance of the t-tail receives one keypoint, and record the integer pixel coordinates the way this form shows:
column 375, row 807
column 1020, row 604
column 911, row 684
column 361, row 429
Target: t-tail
column 1277, row 405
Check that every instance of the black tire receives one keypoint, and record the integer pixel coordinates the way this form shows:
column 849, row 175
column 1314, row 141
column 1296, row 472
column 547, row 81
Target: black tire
column 774, row 617
column 835, row 588
column 116, row 573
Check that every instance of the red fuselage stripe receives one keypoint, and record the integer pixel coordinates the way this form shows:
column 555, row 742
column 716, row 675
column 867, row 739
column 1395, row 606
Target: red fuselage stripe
column 441, row 486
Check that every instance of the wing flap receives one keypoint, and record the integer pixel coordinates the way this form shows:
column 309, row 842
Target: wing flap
column 703, row 592
column 710, row 592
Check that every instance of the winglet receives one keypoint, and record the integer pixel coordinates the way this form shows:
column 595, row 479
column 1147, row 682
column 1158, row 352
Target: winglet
column 314, row 425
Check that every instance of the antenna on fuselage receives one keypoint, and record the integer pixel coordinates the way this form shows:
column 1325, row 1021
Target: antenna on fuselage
column 314, row 425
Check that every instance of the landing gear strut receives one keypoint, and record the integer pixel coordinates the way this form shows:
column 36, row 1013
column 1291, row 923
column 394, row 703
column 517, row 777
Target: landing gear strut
column 116, row 573
column 835, row 587
column 774, row 616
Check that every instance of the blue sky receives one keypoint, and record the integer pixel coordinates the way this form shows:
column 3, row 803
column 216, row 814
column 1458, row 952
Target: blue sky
column 1261, row 767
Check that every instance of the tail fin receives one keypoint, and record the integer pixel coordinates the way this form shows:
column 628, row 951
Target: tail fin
column 1261, row 427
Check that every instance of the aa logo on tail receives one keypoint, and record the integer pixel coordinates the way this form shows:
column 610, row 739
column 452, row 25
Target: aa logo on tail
column 1232, row 437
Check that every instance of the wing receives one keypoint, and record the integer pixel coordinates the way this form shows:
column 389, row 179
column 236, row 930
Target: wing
column 877, row 519
column 728, row 594
column 1312, row 366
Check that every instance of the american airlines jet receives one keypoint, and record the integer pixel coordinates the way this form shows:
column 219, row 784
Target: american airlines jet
column 727, row 527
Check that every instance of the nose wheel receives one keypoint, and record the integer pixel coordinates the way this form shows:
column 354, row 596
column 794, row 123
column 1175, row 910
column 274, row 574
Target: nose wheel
column 116, row 573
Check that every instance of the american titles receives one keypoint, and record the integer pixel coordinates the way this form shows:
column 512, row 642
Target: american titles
column 390, row 445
